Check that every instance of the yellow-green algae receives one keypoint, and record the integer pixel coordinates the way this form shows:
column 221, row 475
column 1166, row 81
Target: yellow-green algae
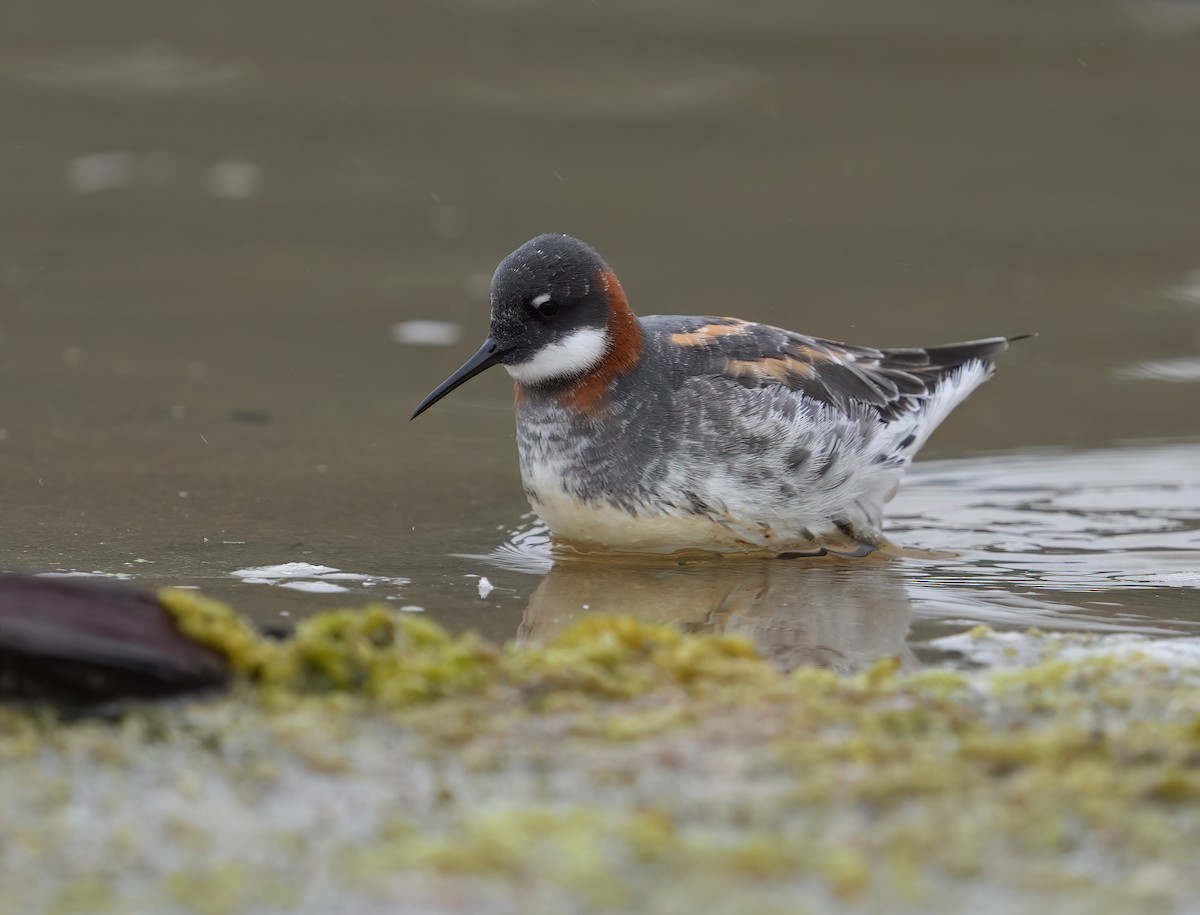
column 397, row 660
column 375, row 763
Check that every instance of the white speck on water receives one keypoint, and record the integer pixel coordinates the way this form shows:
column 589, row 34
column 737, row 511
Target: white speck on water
column 1164, row 16
column 485, row 587
column 233, row 179
column 689, row 90
column 1175, row 370
column 151, row 68
column 412, row 608
column 1188, row 291
column 101, row 171
column 426, row 333
column 68, row 573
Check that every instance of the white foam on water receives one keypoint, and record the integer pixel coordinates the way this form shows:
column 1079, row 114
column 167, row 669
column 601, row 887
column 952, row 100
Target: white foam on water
column 284, row 570
column 314, row 587
column 1024, row 649
column 313, row 578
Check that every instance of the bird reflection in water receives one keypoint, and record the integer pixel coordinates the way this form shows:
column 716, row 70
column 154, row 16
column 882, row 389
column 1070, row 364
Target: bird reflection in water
column 842, row 615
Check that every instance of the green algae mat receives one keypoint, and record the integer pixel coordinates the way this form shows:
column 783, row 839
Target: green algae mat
column 374, row 763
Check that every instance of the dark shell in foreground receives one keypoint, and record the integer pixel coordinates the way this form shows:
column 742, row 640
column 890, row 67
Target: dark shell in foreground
column 85, row 642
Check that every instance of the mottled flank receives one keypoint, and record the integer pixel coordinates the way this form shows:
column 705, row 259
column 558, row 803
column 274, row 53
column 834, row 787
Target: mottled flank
column 376, row 764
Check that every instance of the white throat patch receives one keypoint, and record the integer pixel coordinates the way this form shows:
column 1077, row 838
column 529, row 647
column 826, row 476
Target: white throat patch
column 573, row 355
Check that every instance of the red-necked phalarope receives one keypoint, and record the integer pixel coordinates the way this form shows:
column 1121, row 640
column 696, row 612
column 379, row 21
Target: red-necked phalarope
column 671, row 433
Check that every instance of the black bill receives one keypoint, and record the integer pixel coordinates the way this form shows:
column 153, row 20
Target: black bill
column 488, row 355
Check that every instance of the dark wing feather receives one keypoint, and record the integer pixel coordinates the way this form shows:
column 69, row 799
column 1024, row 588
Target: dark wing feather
column 892, row 381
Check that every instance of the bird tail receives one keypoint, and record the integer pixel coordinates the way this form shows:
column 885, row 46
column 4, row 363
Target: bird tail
column 961, row 368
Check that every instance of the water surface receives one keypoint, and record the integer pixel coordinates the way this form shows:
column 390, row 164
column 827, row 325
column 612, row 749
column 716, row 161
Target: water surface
column 210, row 225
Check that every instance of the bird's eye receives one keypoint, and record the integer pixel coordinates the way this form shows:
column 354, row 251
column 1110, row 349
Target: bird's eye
column 548, row 309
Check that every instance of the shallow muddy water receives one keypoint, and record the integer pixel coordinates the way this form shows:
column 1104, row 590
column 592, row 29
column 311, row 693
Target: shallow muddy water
column 214, row 233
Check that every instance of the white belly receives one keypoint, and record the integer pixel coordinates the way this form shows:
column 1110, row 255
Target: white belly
column 590, row 527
